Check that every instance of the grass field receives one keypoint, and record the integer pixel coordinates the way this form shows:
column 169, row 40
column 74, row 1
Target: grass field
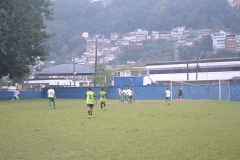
column 143, row 130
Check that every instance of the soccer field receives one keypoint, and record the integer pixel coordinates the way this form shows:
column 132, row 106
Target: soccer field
column 138, row 131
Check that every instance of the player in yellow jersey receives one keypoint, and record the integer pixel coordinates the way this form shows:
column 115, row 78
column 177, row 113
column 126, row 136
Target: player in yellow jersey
column 103, row 97
column 90, row 98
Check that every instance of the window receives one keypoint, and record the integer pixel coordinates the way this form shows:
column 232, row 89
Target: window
column 117, row 74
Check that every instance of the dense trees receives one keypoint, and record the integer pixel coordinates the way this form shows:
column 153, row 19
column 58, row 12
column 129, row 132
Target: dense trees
column 22, row 35
column 123, row 16
column 149, row 51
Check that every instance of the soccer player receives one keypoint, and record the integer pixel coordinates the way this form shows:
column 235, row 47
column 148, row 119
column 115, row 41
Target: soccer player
column 15, row 95
column 103, row 96
column 180, row 93
column 130, row 93
column 51, row 98
column 120, row 94
column 168, row 95
column 90, row 97
column 125, row 95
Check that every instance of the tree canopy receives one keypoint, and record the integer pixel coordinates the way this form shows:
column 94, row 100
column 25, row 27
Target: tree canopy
column 122, row 16
column 22, row 35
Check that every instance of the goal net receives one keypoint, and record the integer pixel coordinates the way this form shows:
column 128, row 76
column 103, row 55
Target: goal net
column 212, row 90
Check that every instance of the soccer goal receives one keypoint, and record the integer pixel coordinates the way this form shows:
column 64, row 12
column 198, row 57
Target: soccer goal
column 196, row 90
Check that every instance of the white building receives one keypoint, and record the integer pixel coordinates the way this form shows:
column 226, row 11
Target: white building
column 238, row 43
column 212, row 69
column 219, row 40
column 85, row 35
column 177, row 32
column 155, row 35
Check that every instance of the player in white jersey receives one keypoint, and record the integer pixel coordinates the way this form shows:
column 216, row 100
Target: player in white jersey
column 51, row 97
column 124, row 93
column 130, row 93
column 120, row 94
column 168, row 96
column 15, row 95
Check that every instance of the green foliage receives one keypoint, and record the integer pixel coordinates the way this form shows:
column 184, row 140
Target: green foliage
column 149, row 51
column 23, row 35
column 74, row 17
column 225, row 53
column 205, row 46
column 103, row 76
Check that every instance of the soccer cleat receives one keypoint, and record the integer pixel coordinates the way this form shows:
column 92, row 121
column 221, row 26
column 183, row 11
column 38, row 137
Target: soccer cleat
column 104, row 108
column 89, row 116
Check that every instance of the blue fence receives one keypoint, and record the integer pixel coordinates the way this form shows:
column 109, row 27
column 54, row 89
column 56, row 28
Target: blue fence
column 23, row 94
column 140, row 92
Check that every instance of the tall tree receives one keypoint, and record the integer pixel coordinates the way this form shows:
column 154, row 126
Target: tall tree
column 24, row 33
column 104, row 75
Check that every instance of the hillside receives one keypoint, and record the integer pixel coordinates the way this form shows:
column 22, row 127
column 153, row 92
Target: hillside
column 73, row 17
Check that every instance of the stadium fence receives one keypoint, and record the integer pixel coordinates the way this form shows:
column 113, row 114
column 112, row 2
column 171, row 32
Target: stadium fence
column 191, row 91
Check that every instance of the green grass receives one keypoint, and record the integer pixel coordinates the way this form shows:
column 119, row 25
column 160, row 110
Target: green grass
column 144, row 130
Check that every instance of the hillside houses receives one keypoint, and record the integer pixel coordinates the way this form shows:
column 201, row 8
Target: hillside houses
column 108, row 49
column 105, row 3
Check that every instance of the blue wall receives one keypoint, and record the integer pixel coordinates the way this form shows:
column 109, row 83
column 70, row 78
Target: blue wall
column 140, row 92
column 154, row 92
column 23, row 94
column 235, row 92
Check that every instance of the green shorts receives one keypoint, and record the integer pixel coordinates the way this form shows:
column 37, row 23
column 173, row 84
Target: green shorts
column 51, row 99
column 15, row 97
column 168, row 98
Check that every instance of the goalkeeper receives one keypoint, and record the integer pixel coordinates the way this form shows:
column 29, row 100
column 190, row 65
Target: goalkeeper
column 180, row 93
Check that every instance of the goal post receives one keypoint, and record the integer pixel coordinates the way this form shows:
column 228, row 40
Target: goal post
column 202, row 89
column 224, row 90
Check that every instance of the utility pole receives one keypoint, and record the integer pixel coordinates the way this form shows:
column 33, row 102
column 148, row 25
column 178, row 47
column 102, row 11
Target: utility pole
column 95, row 62
column 198, row 66
column 176, row 51
column 74, row 73
column 187, row 66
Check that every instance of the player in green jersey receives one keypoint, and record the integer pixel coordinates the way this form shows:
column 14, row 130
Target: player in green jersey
column 90, row 98
column 103, row 97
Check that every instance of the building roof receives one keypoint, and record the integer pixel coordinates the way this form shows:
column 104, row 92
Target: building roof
column 67, row 69
column 195, row 61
